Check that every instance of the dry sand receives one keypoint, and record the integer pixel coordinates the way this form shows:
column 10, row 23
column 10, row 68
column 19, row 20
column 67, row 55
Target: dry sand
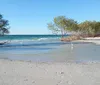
column 95, row 40
column 32, row 73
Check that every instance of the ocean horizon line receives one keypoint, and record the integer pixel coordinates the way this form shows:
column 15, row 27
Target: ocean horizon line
column 37, row 34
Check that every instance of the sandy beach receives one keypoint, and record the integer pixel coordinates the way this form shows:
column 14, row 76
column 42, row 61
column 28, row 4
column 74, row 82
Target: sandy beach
column 49, row 42
column 95, row 40
column 30, row 73
column 60, row 72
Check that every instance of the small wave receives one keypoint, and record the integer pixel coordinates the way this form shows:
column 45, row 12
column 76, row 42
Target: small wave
column 25, row 44
column 35, row 39
column 42, row 39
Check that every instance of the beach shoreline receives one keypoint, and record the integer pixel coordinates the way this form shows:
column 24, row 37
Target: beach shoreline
column 68, row 72
column 75, row 51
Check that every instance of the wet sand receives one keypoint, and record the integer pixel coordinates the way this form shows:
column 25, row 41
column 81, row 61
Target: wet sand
column 36, row 73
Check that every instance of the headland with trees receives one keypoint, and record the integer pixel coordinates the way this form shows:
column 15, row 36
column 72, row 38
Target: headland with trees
column 64, row 25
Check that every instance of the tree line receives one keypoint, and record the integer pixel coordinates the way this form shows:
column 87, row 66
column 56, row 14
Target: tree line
column 64, row 25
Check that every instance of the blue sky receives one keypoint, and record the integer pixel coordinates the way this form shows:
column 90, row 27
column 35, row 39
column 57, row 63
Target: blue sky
column 32, row 16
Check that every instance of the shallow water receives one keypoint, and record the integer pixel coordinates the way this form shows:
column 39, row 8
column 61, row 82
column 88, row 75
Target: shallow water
column 87, row 52
column 48, row 49
column 29, row 47
column 53, row 53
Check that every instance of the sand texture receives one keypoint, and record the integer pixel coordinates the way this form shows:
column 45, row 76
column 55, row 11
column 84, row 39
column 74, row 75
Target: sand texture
column 34, row 73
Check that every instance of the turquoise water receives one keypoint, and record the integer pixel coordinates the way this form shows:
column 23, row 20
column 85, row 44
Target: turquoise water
column 30, row 40
column 29, row 37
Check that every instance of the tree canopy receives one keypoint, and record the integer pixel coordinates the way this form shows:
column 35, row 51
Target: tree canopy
column 65, row 25
column 4, row 26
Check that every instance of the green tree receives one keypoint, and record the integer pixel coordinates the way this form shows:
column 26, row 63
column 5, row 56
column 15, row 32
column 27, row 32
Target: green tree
column 4, row 26
column 87, row 28
column 71, row 25
column 63, row 25
column 97, row 28
column 53, row 28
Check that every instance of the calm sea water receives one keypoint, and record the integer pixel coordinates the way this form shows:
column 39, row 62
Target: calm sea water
column 42, row 48
column 30, row 41
column 25, row 47
column 29, row 37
